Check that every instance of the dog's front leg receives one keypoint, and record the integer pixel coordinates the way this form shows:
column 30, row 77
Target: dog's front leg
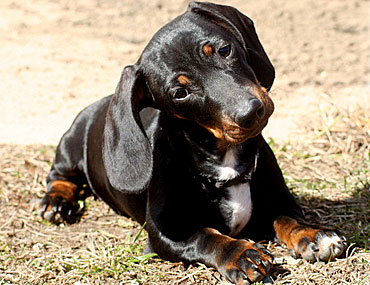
column 240, row 261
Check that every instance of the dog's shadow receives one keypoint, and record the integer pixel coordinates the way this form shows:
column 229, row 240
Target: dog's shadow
column 350, row 215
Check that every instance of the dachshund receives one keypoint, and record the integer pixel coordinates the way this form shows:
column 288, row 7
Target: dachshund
column 178, row 147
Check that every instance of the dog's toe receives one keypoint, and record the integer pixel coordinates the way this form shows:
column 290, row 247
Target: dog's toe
column 330, row 245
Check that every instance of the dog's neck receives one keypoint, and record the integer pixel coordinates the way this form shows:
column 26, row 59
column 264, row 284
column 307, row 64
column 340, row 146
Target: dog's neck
column 219, row 163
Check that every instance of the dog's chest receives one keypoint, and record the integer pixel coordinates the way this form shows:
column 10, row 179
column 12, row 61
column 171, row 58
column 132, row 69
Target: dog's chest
column 236, row 206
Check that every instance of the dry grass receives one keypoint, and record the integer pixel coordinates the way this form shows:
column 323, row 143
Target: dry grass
column 329, row 174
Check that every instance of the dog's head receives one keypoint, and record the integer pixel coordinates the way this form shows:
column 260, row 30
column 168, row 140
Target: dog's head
column 206, row 66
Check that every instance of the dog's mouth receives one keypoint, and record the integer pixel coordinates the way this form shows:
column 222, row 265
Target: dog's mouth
column 232, row 133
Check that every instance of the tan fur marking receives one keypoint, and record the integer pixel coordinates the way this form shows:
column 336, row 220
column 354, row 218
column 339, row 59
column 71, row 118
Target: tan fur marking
column 207, row 49
column 217, row 132
column 218, row 241
column 290, row 232
column 229, row 131
column 183, row 79
column 180, row 117
column 64, row 189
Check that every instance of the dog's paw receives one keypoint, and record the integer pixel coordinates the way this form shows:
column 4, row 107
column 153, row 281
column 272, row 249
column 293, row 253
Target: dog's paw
column 59, row 205
column 331, row 244
column 312, row 244
column 246, row 262
column 326, row 245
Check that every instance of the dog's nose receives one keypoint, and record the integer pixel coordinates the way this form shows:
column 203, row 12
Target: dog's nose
column 245, row 115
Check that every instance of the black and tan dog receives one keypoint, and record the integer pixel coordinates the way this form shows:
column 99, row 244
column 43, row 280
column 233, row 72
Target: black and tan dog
column 179, row 146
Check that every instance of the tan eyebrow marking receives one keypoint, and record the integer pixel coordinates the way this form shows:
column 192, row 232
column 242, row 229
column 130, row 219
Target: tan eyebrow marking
column 183, row 79
column 207, row 49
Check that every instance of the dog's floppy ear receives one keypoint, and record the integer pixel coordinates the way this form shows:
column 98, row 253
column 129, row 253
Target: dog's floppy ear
column 243, row 29
column 127, row 152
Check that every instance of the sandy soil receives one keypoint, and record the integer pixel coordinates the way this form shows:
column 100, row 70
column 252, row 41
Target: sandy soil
column 58, row 56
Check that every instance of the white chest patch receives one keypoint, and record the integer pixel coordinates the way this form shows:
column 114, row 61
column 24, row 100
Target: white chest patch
column 240, row 205
column 237, row 207
column 226, row 170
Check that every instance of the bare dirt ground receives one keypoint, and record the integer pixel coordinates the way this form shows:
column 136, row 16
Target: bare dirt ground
column 57, row 57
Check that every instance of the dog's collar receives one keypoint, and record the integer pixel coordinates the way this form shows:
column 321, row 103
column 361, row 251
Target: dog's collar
column 242, row 178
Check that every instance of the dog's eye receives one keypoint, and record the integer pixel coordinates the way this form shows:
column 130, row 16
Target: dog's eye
column 181, row 93
column 224, row 51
